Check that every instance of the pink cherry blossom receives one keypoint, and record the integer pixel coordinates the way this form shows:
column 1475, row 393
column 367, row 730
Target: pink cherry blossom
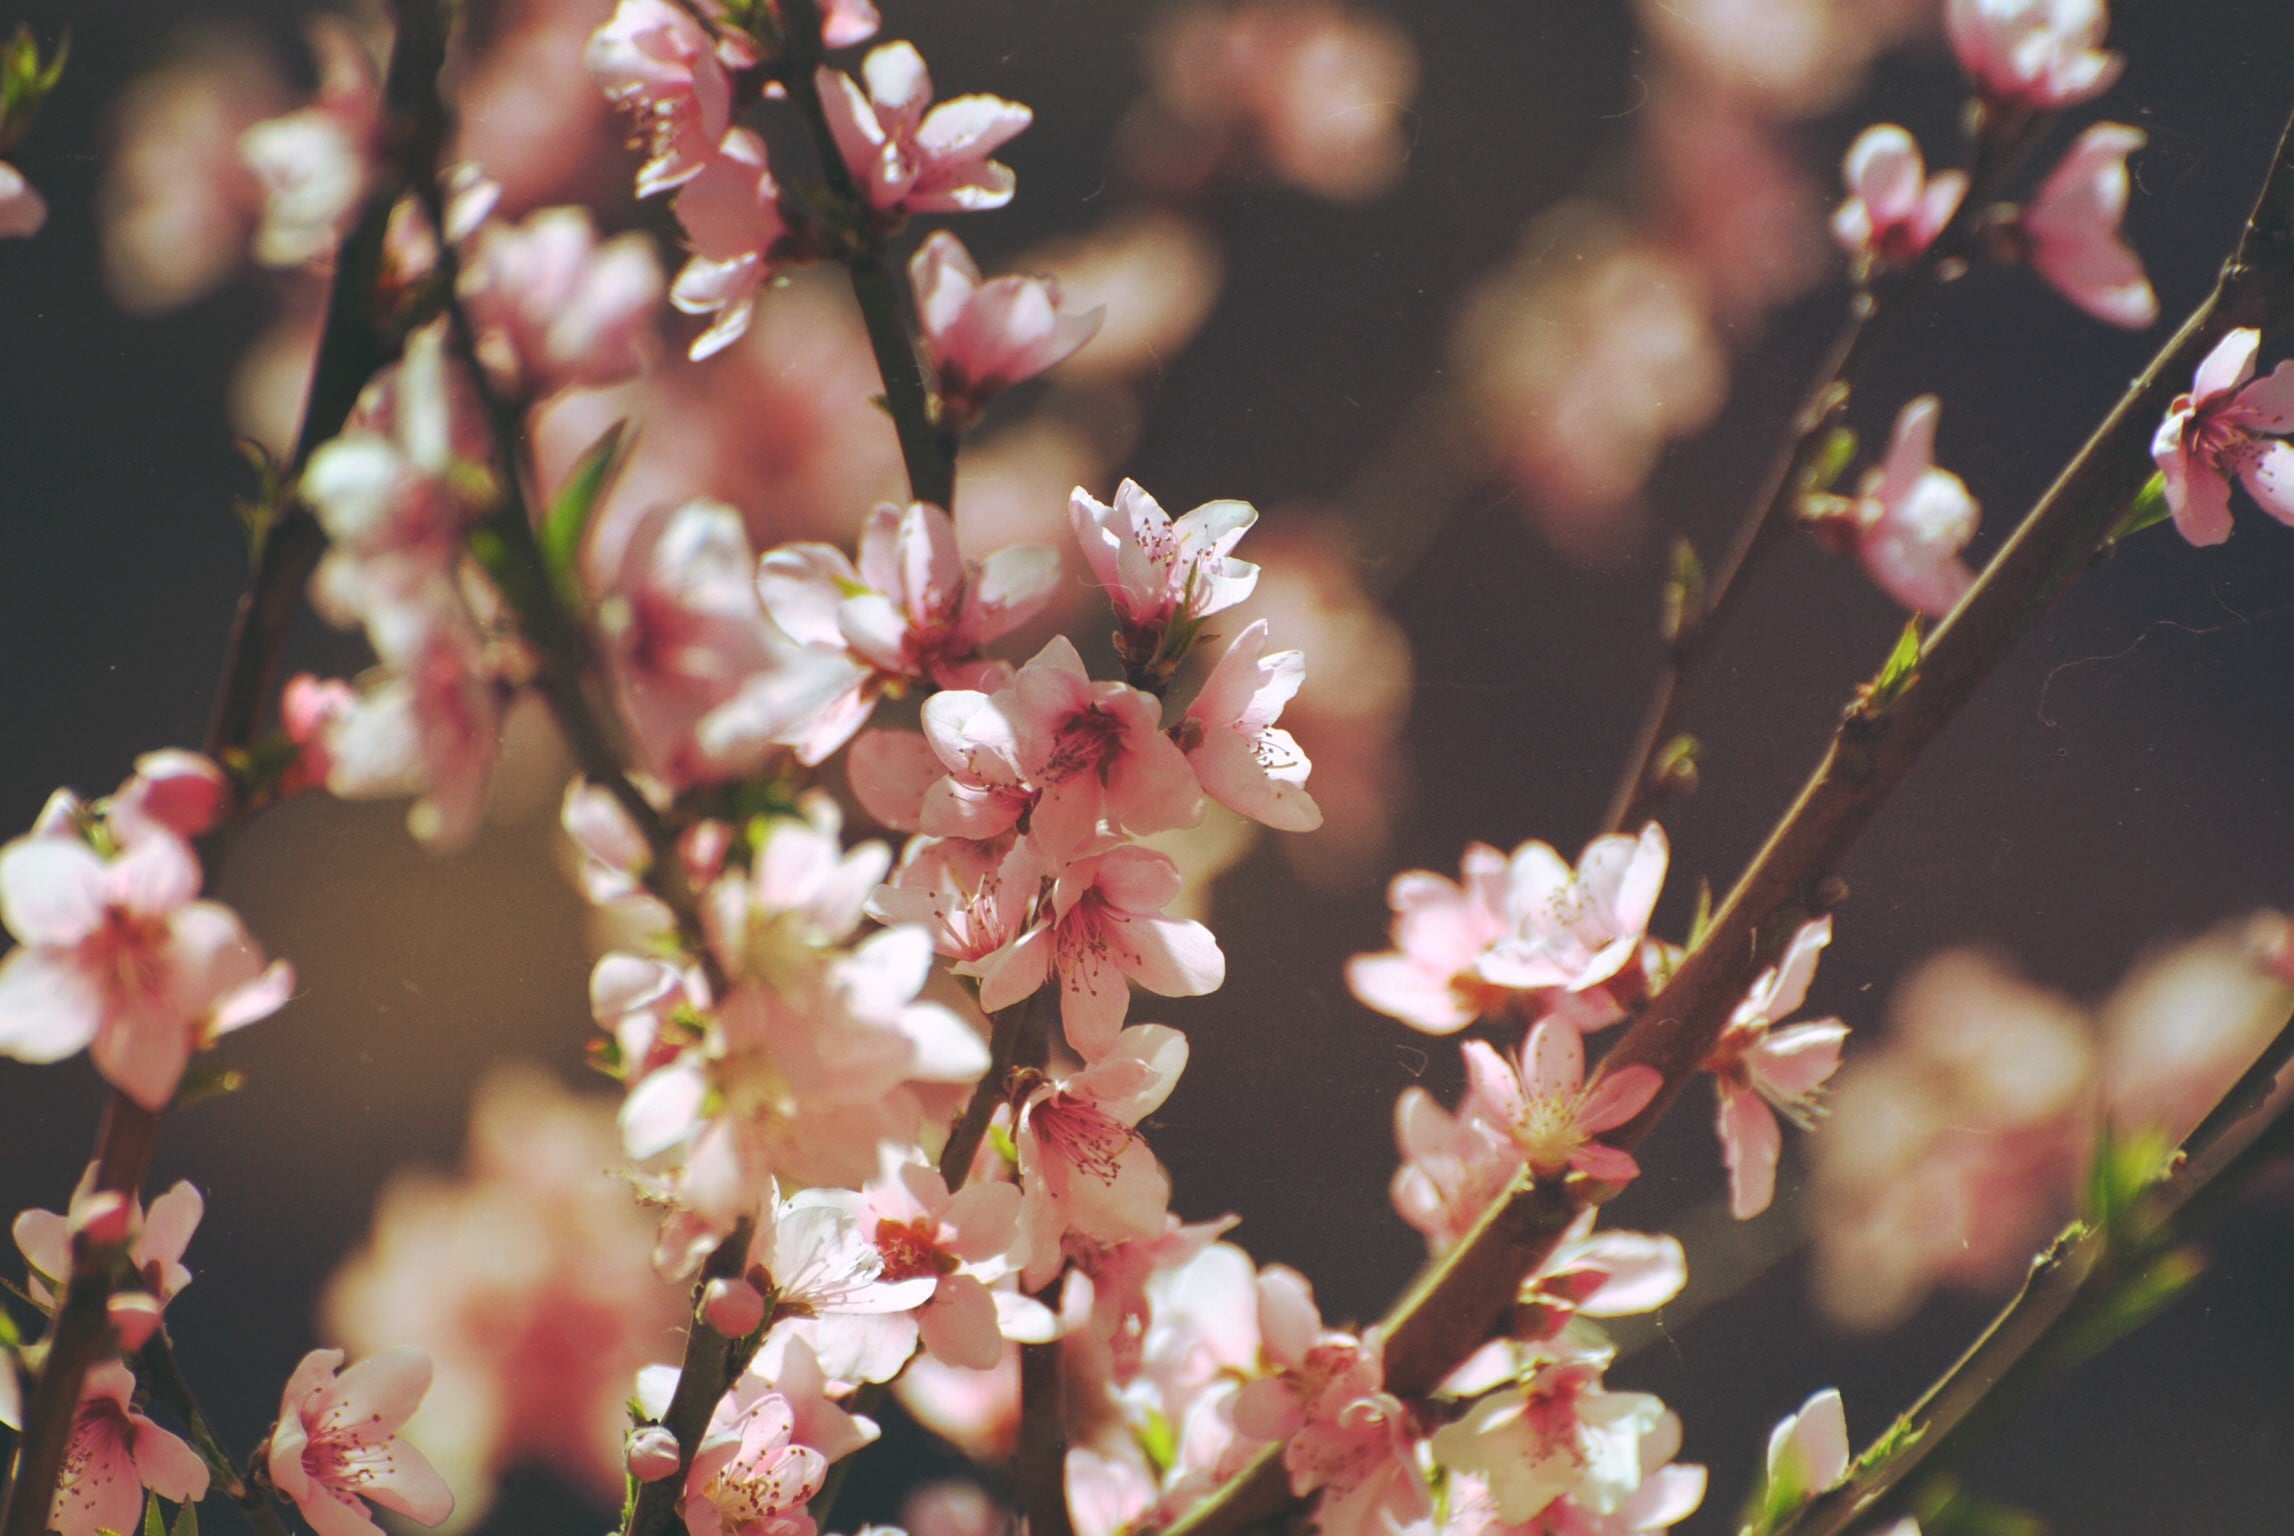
column 115, row 1453
column 909, row 155
column 1894, row 209
column 427, row 724
column 1241, row 757
column 1157, row 571
column 2033, row 54
column 22, row 209
column 984, row 337
column 1453, row 1167
column 1541, row 1100
column 846, row 22
column 2071, row 229
column 975, row 898
column 1578, row 929
column 1105, row 929
column 654, row 60
column 1911, row 520
column 739, row 235
column 121, row 959
column 708, row 682
column 1095, row 753
column 155, row 1246
column 337, row 1442
column 555, row 306
column 2230, row 423
column 964, row 1242
column 1431, row 980
column 1082, row 1166
column 1561, row 1435
column 1761, row 1071
column 173, row 791
column 749, row 1477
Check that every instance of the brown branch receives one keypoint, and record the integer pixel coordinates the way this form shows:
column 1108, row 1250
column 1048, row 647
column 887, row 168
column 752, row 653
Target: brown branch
column 927, row 452
column 2082, row 1284
column 2000, row 147
column 1455, row 1307
column 351, row 348
column 701, row 1380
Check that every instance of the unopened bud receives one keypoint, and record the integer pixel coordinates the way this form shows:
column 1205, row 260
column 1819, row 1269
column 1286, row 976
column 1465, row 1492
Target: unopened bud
column 104, row 1219
column 181, row 791
column 652, row 1454
column 733, row 1307
column 134, row 1317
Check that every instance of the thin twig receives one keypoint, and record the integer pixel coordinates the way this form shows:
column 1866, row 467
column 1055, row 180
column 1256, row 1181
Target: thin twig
column 2076, row 1286
column 350, row 350
column 701, row 1381
column 1455, row 1307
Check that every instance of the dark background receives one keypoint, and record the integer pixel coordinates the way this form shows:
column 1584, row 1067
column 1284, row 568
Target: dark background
column 2124, row 779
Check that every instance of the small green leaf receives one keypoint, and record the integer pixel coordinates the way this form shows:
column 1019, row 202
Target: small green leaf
column 567, row 518
column 205, row 1079
column 2148, row 509
column 1897, row 672
column 154, row 1523
column 1683, row 602
column 186, row 1520
column 1001, row 1140
column 1701, row 921
column 1831, row 458
column 1158, row 1441
column 1675, row 770
column 2122, row 1169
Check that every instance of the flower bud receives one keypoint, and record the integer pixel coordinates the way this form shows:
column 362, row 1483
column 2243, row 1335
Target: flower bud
column 652, row 1454
column 104, row 1220
column 134, row 1317
column 733, row 1307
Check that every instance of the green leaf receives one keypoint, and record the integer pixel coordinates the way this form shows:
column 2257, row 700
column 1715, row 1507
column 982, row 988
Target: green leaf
column 2148, row 509
column 186, row 1520
column 1158, row 1441
column 1001, row 1140
column 567, row 518
column 1897, row 672
column 1831, row 458
column 205, row 1079
column 1683, row 602
column 1701, row 921
column 2122, row 1168
column 2133, row 1302
column 154, row 1523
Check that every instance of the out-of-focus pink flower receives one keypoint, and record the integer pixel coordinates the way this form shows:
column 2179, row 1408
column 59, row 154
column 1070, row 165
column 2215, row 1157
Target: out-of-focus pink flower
column 1580, row 371
column 22, row 209
column 1431, row 980
column 1083, row 1169
column 1761, row 1071
column 1243, row 759
column 1894, row 209
column 313, row 162
column 984, row 337
column 2033, row 54
column 1104, row 931
column 738, row 233
column 2230, row 423
column 338, row 1442
column 1317, row 93
column 1453, row 1166
column 654, row 60
column 115, row 1453
column 1541, row 1100
column 428, row 725
column 909, row 155
column 1561, row 1445
column 309, row 707
column 749, row 1476
column 2181, row 1026
column 528, row 1278
column 2070, row 230
column 553, row 306
column 1152, row 276
column 1789, row 58
column 1737, row 205
column 121, row 959
column 1952, row 1148
column 1577, row 929
column 179, row 793
column 1911, row 520
column 708, row 682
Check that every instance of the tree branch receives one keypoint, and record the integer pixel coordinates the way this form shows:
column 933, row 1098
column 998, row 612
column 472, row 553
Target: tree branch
column 1458, row 1304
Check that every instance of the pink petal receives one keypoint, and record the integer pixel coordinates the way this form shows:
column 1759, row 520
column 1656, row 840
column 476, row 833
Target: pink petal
column 1750, row 1141
column 49, row 1008
column 1492, row 1082
column 1618, row 1096
column 1093, row 1000
column 1611, row 1165
column 2229, row 365
column 52, row 889
column 166, row 1465
column 2268, row 404
column 959, row 1326
column 1173, row 957
column 1552, row 1060
column 377, row 1395
column 1793, row 1063
column 2268, row 475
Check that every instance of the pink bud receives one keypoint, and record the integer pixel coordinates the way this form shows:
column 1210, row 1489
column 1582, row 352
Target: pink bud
column 134, row 1317
column 733, row 1307
column 182, row 791
column 105, row 1220
column 653, row 1454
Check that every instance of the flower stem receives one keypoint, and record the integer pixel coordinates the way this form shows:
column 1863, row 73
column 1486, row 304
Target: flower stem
column 701, row 1380
column 1456, row 1305
column 156, row 1368
column 350, row 350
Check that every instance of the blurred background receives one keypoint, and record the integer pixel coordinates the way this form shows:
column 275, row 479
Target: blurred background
column 1480, row 302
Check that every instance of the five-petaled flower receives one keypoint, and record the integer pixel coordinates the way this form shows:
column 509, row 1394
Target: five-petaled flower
column 337, row 1442
column 2228, row 425
column 1542, row 1102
